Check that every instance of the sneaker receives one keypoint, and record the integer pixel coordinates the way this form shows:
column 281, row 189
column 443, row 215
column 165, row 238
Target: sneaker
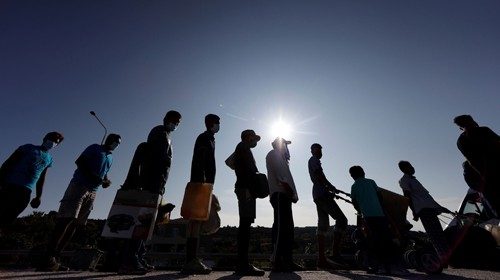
column 295, row 266
column 50, row 264
column 337, row 260
column 249, row 270
column 399, row 271
column 63, row 268
column 195, row 267
column 132, row 270
column 146, row 265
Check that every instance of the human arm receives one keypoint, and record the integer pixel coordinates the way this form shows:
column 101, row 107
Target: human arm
column 36, row 201
column 319, row 175
column 245, row 167
column 159, row 145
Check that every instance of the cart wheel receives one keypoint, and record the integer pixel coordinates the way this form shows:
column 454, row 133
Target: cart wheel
column 430, row 262
column 410, row 258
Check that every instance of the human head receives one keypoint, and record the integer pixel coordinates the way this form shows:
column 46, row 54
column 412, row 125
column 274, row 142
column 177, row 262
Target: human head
column 465, row 122
column 112, row 141
column 280, row 143
column 250, row 137
column 172, row 120
column 212, row 123
column 406, row 167
column 316, row 150
column 52, row 139
column 356, row 172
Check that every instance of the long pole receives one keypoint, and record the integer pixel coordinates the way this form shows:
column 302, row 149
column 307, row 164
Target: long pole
column 105, row 129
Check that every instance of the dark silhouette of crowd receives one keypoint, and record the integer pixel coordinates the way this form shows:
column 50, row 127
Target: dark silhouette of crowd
column 26, row 169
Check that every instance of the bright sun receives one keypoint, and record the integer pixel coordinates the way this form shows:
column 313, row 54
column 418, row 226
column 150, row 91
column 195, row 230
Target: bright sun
column 281, row 129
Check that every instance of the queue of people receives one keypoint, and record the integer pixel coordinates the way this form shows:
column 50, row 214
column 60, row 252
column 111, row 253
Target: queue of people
column 25, row 170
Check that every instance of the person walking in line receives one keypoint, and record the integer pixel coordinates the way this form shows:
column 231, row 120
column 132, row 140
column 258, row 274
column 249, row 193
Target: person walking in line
column 202, row 171
column 92, row 170
column 323, row 194
column 481, row 147
column 423, row 206
column 365, row 199
column 282, row 194
column 22, row 172
column 245, row 169
column 148, row 171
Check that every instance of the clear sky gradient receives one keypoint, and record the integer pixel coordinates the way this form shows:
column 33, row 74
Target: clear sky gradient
column 374, row 82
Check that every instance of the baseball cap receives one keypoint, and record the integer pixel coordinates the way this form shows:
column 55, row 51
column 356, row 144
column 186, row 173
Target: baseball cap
column 279, row 140
column 249, row 133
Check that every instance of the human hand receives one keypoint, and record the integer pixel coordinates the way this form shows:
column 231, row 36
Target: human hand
column 106, row 183
column 35, row 202
column 333, row 189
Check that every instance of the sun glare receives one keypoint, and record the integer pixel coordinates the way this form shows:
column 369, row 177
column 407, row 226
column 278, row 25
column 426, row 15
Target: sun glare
column 281, row 129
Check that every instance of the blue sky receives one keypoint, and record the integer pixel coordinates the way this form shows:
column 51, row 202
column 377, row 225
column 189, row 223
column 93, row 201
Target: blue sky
column 374, row 82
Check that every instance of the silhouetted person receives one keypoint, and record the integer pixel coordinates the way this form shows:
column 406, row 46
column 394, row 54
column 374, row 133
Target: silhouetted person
column 245, row 169
column 365, row 198
column 149, row 171
column 481, row 147
column 282, row 194
column 323, row 194
column 202, row 171
column 22, row 172
column 92, row 170
column 423, row 206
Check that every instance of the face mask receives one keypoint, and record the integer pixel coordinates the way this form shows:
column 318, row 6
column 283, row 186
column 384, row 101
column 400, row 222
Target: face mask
column 48, row 144
column 253, row 144
column 170, row 127
column 113, row 146
column 215, row 128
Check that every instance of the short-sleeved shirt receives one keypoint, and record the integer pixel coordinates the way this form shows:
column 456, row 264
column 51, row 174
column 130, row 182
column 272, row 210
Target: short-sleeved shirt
column 319, row 189
column 98, row 161
column 364, row 194
column 33, row 161
column 420, row 197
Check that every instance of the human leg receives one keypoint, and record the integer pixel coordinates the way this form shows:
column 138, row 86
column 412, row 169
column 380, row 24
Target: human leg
column 13, row 200
column 323, row 225
column 434, row 230
column 193, row 264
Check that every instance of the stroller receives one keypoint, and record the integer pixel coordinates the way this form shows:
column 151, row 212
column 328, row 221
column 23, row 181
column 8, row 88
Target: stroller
column 416, row 252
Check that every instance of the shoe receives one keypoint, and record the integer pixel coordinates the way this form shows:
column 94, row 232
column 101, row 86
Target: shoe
column 50, row 264
column 280, row 267
column 249, row 270
column 195, row 266
column 324, row 265
column 132, row 270
column 295, row 267
column 63, row 268
column 337, row 260
column 398, row 271
column 146, row 265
